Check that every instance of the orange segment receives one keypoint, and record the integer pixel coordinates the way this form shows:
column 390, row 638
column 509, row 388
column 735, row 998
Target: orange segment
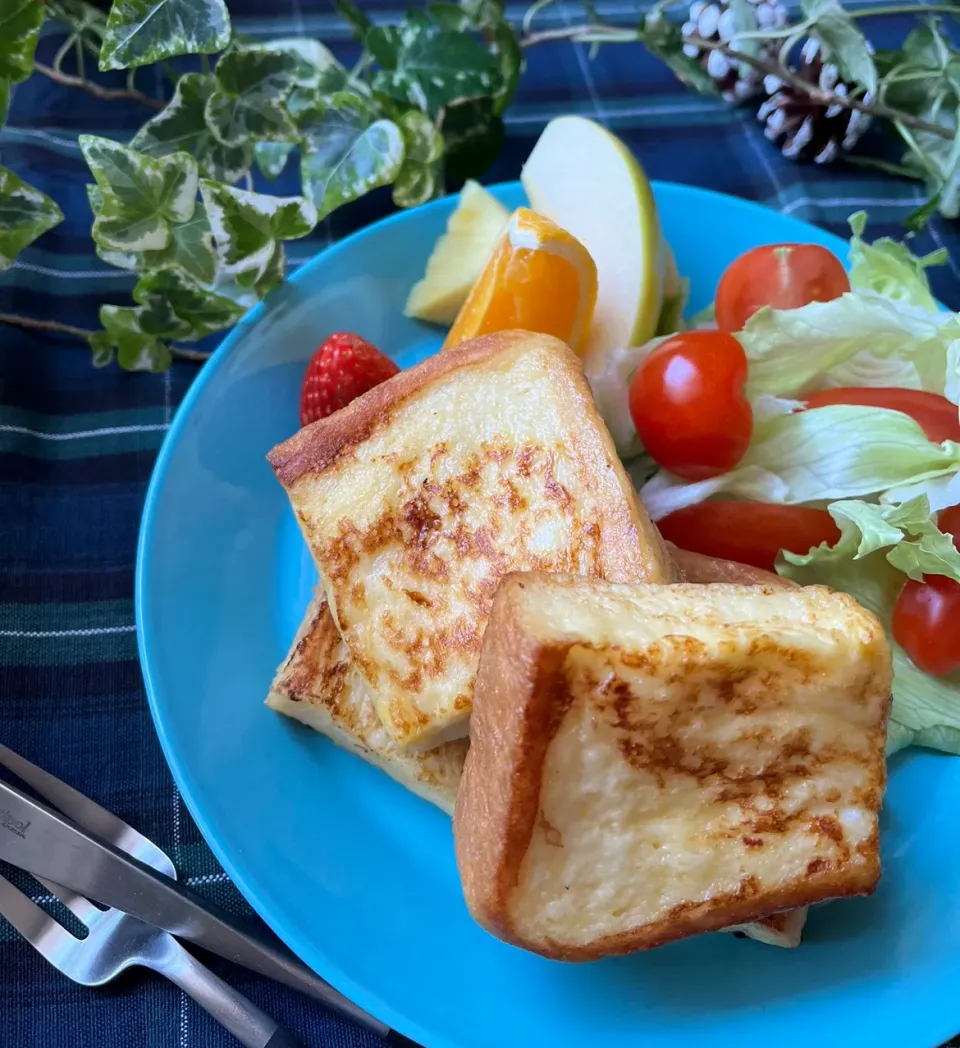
column 538, row 278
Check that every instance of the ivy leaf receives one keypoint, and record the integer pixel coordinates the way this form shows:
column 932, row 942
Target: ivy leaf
column 86, row 22
column 101, row 349
column 421, row 177
column 484, row 14
column 347, row 151
column 141, row 32
column 191, row 250
column 181, row 127
column 938, row 164
column 434, row 68
column 136, row 350
column 248, row 100
column 311, row 65
column 20, row 22
column 472, row 137
column 120, row 259
column 272, row 157
column 248, row 229
column 509, row 55
column 354, row 17
column 841, row 39
column 664, row 39
column 140, row 196
column 4, row 100
column 200, row 311
column 744, row 21
column 25, row 213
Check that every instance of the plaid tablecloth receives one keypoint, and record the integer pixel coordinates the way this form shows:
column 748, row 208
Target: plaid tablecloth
column 77, row 446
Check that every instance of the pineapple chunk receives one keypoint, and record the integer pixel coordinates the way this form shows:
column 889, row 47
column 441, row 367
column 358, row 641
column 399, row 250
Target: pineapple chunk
column 458, row 256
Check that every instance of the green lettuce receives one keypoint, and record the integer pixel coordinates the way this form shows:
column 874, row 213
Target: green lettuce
column 836, row 452
column 879, row 547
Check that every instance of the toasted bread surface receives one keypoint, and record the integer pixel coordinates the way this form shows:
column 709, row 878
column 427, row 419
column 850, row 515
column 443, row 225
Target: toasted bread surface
column 650, row 762
column 417, row 497
column 317, row 685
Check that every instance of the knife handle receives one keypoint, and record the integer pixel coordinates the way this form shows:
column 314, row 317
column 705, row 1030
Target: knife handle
column 252, row 1027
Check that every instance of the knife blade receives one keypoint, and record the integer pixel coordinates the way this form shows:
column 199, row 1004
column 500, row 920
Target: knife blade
column 39, row 840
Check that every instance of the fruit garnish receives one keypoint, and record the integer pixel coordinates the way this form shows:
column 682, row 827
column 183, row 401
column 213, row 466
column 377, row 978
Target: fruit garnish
column 345, row 366
column 538, row 278
column 458, row 256
column 588, row 182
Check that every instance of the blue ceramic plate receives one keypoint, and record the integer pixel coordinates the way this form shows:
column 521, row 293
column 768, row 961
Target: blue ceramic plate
column 358, row 876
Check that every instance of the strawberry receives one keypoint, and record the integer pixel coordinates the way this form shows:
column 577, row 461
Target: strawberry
column 340, row 370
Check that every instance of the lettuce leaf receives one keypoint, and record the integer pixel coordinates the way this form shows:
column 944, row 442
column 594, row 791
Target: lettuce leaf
column 836, row 452
column 890, row 268
column 877, row 545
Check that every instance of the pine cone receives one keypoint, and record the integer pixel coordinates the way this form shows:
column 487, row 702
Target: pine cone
column 714, row 22
column 805, row 129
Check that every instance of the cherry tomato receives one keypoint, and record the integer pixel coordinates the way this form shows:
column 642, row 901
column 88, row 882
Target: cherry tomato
column 783, row 276
column 748, row 532
column 948, row 521
column 926, row 624
column 687, row 403
column 934, row 414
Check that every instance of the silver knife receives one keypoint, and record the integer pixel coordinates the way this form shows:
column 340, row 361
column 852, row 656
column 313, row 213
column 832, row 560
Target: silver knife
column 39, row 840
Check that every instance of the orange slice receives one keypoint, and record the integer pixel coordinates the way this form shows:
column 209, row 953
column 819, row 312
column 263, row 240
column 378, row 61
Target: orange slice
column 538, row 278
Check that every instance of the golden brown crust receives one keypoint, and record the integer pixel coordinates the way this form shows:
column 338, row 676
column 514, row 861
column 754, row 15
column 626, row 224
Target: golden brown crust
column 522, row 695
column 697, row 567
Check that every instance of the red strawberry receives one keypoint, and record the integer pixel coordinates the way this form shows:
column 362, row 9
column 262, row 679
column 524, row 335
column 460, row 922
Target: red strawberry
column 342, row 368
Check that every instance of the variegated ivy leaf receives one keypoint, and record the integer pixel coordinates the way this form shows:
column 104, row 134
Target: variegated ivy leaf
column 190, row 249
column 25, row 213
column 140, row 196
column 272, row 157
column 141, row 32
column 311, row 64
column 20, row 22
column 433, row 68
column 201, row 310
column 249, row 98
column 347, row 151
column 842, row 41
column 181, row 127
column 4, row 100
column 421, row 176
column 248, row 229
column 86, row 22
column 136, row 349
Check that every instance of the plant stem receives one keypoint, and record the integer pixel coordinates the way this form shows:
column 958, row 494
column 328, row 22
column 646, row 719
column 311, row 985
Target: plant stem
column 612, row 34
column 105, row 93
column 34, row 324
column 903, row 9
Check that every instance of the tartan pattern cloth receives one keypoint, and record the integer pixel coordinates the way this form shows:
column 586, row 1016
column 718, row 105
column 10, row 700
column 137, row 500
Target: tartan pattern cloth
column 77, row 446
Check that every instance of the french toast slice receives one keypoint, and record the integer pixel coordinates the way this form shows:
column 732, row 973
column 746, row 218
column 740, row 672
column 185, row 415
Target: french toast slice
column 777, row 929
column 419, row 495
column 650, row 762
column 317, row 685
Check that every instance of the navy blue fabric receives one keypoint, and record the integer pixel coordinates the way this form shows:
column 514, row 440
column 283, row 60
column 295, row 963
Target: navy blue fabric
column 77, row 446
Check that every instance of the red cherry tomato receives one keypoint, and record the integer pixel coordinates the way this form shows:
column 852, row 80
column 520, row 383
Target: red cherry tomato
column 935, row 415
column 926, row 624
column 948, row 521
column 748, row 532
column 687, row 403
column 783, row 276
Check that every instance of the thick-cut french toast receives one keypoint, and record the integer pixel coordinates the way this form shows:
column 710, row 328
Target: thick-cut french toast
column 317, row 685
column 419, row 495
column 649, row 762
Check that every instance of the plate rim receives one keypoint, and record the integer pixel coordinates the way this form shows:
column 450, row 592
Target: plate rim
column 320, row 961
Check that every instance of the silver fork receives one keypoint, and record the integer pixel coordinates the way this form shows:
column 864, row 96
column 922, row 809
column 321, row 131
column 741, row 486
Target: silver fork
column 115, row 940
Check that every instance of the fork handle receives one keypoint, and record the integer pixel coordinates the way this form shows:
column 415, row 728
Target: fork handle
column 252, row 1027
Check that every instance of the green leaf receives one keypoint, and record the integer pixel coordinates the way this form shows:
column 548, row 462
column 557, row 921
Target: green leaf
column 436, row 67
column 509, row 55
column 4, row 100
column 472, row 136
column 272, row 157
column 200, row 311
column 190, row 250
column 141, row 32
column 136, row 349
column 310, row 64
column 663, row 38
column 346, row 151
column 181, row 127
column 140, row 196
column 937, row 161
column 248, row 229
column 20, row 22
column 25, row 214
column 84, row 21
column 842, row 41
column 101, row 349
column 248, row 102
column 421, row 177
column 890, row 268
column 484, row 14
column 354, row 17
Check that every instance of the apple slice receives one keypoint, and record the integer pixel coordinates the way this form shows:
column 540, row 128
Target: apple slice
column 587, row 181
